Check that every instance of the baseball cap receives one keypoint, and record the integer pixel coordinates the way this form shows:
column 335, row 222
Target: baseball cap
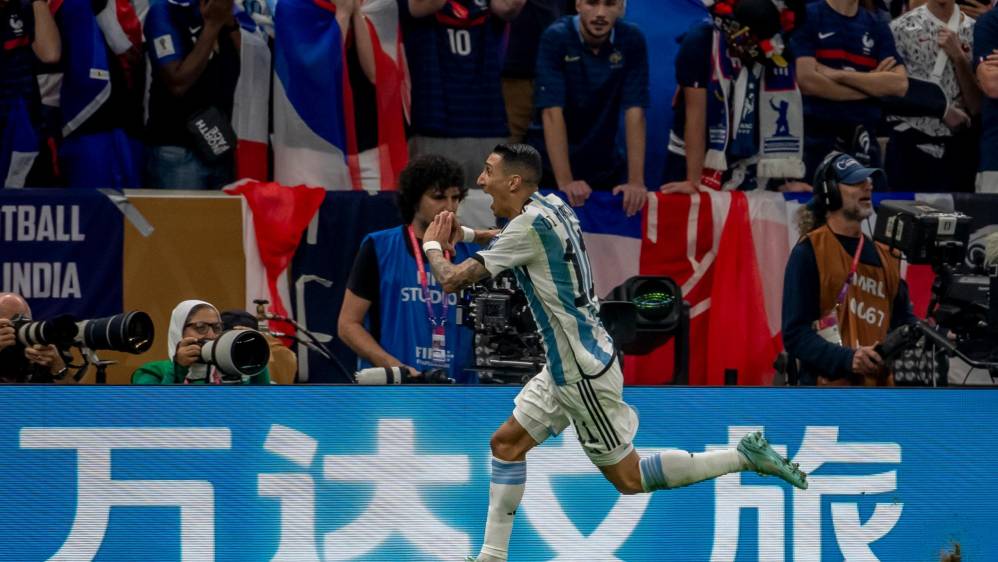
column 848, row 170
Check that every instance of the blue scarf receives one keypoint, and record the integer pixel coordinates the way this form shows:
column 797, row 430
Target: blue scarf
column 754, row 116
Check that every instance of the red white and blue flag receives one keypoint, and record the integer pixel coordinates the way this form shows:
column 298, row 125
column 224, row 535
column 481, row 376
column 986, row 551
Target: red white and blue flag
column 313, row 112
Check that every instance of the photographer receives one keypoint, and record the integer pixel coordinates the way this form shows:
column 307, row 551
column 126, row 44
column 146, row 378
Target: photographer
column 842, row 292
column 391, row 285
column 192, row 323
column 283, row 364
column 38, row 363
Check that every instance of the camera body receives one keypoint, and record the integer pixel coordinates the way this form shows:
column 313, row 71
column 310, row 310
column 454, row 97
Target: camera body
column 924, row 234
column 508, row 348
column 964, row 296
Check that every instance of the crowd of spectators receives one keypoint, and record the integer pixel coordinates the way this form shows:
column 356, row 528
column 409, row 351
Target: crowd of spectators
column 110, row 93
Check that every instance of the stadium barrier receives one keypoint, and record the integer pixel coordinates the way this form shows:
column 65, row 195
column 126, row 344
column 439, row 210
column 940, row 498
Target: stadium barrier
column 358, row 473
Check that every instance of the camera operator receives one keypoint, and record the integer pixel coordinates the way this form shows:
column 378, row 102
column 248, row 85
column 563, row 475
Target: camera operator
column 842, row 292
column 38, row 363
column 192, row 323
column 391, row 285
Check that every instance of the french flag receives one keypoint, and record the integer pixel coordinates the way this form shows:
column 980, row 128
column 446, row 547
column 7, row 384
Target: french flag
column 727, row 251
column 313, row 112
column 392, row 89
column 250, row 110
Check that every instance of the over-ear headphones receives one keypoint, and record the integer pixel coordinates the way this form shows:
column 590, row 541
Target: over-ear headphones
column 826, row 183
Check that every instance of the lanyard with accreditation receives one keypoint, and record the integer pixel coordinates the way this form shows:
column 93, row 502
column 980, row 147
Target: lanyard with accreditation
column 828, row 325
column 438, row 350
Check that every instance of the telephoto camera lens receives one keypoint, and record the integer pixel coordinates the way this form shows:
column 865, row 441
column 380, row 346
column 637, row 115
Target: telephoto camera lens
column 237, row 353
column 60, row 331
column 130, row 332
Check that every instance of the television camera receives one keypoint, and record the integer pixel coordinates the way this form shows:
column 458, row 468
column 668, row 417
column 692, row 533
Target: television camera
column 641, row 314
column 507, row 346
column 964, row 295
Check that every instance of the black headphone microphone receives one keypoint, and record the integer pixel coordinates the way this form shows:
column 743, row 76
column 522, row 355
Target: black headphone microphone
column 826, row 183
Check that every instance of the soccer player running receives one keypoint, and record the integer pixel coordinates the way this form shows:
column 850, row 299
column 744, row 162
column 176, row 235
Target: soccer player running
column 582, row 382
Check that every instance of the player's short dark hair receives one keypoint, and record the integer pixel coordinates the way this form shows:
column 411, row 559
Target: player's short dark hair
column 521, row 159
column 423, row 173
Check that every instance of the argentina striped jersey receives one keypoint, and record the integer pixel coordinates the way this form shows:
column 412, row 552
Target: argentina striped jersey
column 544, row 248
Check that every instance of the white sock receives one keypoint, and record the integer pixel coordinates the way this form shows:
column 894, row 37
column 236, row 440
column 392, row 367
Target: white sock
column 673, row 469
column 505, row 492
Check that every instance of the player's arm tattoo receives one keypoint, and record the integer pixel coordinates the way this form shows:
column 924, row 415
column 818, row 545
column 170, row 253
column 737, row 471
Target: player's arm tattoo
column 452, row 277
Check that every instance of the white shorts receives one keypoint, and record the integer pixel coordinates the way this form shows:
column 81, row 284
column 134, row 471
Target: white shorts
column 605, row 424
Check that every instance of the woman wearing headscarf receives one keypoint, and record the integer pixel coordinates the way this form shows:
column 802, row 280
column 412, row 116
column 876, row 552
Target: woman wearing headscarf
column 192, row 323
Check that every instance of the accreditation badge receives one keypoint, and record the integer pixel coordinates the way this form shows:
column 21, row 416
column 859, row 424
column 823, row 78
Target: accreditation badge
column 438, row 351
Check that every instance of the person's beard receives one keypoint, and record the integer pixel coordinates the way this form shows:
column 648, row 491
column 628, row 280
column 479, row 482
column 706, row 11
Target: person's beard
column 856, row 213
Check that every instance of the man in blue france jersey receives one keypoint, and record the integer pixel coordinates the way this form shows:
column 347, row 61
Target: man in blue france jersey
column 27, row 33
column 591, row 68
column 194, row 49
column 581, row 382
column 453, row 50
column 846, row 59
column 985, row 62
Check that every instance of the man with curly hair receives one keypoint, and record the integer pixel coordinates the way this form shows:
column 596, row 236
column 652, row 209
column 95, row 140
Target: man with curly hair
column 394, row 312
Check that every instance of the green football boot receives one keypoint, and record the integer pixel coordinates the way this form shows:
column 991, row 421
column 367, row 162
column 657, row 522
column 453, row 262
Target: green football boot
column 764, row 460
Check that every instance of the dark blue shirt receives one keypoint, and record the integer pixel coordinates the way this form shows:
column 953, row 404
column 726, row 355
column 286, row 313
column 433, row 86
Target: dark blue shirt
column 985, row 42
column 859, row 42
column 802, row 306
column 455, row 69
column 592, row 89
column 692, row 69
column 17, row 60
column 171, row 29
column 525, row 34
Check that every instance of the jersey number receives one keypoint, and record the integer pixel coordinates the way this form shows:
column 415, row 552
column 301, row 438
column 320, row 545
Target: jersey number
column 587, row 293
column 573, row 254
column 460, row 41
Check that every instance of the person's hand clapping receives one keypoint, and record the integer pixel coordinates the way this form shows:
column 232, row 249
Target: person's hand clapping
column 441, row 230
column 216, row 13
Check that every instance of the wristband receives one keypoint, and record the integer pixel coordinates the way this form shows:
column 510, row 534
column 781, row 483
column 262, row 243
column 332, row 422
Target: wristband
column 432, row 245
column 469, row 234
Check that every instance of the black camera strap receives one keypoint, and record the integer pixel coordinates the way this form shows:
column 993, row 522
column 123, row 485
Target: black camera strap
column 614, row 357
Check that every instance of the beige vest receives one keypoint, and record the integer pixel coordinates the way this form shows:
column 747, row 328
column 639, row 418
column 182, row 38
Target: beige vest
column 865, row 316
